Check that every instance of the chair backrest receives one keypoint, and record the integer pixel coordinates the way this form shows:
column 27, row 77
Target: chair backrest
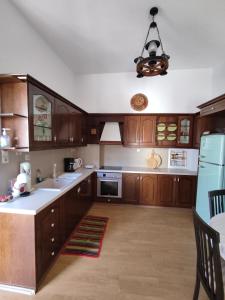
column 208, row 258
column 216, row 202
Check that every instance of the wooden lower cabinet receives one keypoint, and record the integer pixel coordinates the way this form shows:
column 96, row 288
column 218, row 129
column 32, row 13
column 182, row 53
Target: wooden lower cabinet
column 131, row 188
column 148, row 189
column 159, row 190
column 165, row 190
column 185, row 191
column 30, row 243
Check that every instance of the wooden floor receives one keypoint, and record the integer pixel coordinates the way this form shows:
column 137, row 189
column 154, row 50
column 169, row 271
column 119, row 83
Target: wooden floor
column 147, row 254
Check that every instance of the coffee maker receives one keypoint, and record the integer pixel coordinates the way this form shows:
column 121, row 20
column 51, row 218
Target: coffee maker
column 69, row 164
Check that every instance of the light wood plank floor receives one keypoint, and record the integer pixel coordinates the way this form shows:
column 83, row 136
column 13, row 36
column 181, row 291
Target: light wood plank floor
column 148, row 254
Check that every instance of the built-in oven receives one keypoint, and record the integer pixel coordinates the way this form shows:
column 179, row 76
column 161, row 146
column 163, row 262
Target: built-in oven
column 109, row 184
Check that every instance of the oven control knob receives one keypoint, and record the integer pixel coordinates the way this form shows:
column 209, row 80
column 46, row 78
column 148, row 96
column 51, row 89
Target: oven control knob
column 104, row 175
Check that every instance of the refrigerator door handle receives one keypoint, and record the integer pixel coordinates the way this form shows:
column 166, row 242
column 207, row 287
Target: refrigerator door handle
column 200, row 166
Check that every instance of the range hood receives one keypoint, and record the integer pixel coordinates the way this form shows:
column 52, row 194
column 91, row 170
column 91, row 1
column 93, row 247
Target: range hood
column 111, row 133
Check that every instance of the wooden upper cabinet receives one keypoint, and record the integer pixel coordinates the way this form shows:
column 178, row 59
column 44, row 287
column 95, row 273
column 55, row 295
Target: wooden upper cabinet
column 62, row 122
column 131, row 130
column 166, row 131
column 41, row 110
column 185, row 131
column 147, row 131
column 165, row 190
column 148, row 189
column 131, row 188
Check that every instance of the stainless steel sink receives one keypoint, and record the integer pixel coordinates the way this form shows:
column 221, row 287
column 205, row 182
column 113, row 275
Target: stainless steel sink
column 57, row 184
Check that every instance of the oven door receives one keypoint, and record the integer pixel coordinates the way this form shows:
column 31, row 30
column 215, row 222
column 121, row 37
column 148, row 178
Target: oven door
column 109, row 188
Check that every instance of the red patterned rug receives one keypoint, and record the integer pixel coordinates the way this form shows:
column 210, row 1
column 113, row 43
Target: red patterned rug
column 86, row 240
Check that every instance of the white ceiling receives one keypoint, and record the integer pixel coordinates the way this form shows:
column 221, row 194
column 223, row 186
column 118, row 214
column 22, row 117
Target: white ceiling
column 101, row 36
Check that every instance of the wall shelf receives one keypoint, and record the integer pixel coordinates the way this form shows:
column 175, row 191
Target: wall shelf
column 2, row 115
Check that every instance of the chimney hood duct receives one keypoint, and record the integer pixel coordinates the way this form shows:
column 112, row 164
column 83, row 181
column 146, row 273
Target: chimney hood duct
column 111, row 133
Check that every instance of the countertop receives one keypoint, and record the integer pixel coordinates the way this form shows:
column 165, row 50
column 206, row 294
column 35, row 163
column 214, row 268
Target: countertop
column 142, row 170
column 39, row 199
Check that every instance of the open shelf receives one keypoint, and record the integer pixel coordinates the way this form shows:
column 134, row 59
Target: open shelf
column 12, row 115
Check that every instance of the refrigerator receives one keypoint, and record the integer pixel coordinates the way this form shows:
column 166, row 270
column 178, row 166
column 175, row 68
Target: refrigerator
column 211, row 171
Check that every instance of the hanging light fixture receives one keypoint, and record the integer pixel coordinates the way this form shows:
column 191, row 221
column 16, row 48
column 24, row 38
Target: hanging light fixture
column 153, row 64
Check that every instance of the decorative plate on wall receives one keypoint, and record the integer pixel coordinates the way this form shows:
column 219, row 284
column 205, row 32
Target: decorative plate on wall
column 139, row 102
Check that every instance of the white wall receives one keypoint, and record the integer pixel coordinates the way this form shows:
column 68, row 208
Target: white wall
column 218, row 80
column 24, row 51
column 179, row 91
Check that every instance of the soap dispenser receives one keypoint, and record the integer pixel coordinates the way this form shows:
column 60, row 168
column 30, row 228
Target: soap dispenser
column 5, row 141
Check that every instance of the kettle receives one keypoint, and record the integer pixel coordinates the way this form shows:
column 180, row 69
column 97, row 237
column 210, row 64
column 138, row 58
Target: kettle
column 77, row 163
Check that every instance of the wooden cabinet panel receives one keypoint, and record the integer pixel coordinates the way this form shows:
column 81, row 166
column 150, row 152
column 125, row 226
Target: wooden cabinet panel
column 148, row 189
column 166, row 131
column 131, row 188
column 62, row 123
column 185, row 191
column 147, row 131
column 131, row 131
column 165, row 190
column 201, row 124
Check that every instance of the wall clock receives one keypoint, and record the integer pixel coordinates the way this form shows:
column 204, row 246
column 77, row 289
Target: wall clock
column 139, row 102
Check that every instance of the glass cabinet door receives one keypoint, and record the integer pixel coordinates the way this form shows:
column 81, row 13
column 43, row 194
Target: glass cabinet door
column 42, row 118
column 185, row 131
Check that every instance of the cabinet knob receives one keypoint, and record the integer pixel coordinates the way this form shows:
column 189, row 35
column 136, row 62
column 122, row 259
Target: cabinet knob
column 52, row 239
column 212, row 108
column 71, row 139
column 54, row 138
column 174, row 179
column 52, row 210
column 53, row 225
column 82, row 139
column 141, row 178
column 178, row 179
column 52, row 253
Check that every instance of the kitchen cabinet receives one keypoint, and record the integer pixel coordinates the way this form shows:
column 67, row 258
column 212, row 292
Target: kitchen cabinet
column 148, row 189
column 159, row 190
column 28, row 254
column 130, row 188
column 185, row 131
column 38, row 117
column 48, row 239
column 176, row 190
column 214, row 106
column 166, row 190
column 139, row 131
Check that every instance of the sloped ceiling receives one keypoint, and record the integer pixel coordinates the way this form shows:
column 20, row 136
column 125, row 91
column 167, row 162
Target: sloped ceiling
column 104, row 36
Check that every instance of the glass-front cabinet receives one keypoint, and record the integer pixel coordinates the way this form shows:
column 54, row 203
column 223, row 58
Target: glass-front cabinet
column 185, row 128
column 174, row 131
column 41, row 108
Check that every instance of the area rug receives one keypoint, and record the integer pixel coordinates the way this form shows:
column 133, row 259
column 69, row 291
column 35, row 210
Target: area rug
column 87, row 238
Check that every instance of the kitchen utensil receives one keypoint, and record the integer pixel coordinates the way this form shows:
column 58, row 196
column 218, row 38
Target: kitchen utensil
column 77, row 163
column 154, row 160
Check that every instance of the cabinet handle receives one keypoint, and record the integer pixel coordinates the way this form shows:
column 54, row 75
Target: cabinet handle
column 52, row 210
column 71, row 139
column 54, row 138
column 138, row 178
column 78, row 190
column 52, row 240
column 174, row 179
column 53, row 253
column 53, row 225
column 178, row 179
column 82, row 139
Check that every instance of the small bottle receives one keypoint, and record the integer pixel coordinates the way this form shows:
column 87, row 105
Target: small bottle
column 5, row 141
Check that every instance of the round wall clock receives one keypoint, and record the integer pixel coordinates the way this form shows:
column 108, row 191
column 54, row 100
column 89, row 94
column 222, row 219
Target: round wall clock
column 139, row 102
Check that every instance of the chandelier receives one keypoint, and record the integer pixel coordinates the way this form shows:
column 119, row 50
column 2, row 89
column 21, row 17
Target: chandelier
column 153, row 64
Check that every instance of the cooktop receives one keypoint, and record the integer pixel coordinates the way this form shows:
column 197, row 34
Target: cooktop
column 110, row 168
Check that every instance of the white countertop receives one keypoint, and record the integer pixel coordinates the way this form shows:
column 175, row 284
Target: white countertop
column 143, row 170
column 39, row 198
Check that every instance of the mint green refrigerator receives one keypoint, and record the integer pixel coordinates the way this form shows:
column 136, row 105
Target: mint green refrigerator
column 210, row 171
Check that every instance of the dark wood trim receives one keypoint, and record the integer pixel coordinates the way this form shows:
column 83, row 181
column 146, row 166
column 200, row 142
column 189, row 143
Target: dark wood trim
column 110, row 143
column 219, row 98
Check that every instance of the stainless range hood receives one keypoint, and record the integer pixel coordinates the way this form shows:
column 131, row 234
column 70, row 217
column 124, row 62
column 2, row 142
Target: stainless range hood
column 111, row 133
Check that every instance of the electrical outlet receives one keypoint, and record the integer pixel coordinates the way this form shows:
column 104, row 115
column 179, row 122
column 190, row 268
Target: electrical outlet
column 5, row 157
column 27, row 157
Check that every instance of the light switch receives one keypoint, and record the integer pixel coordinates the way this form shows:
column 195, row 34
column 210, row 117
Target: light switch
column 5, row 157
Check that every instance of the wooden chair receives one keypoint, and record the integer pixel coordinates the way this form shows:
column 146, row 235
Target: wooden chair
column 216, row 202
column 209, row 271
